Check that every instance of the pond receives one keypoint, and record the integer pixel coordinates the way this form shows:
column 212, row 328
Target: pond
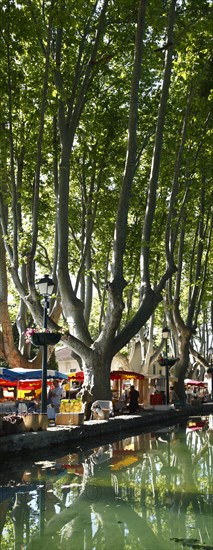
column 148, row 491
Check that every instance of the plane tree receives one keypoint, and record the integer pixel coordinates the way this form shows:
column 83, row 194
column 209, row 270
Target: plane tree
column 189, row 222
column 188, row 236
column 86, row 110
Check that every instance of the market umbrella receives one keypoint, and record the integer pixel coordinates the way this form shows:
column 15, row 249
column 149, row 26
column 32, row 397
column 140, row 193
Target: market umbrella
column 8, row 375
column 12, row 375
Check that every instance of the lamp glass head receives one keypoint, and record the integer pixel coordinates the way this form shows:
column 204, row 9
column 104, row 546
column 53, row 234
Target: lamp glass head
column 46, row 286
column 165, row 332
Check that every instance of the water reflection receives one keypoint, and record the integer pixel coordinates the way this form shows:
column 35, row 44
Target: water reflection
column 152, row 490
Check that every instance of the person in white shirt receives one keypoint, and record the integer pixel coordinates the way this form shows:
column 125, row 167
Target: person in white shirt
column 55, row 396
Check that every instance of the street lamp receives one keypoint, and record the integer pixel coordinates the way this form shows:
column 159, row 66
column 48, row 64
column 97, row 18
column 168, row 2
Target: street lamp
column 46, row 287
column 210, row 370
column 165, row 336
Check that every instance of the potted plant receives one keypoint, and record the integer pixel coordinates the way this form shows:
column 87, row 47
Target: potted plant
column 42, row 337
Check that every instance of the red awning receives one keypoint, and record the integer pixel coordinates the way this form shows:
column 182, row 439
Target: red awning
column 198, row 383
column 7, row 383
column 125, row 375
column 77, row 376
column 114, row 375
column 22, row 385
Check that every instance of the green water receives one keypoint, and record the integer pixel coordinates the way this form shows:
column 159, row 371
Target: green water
column 151, row 491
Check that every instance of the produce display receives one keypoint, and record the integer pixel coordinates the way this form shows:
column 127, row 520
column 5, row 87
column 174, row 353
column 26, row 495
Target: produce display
column 71, row 405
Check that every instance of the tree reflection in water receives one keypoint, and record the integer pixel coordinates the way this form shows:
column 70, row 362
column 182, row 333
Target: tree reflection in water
column 148, row 491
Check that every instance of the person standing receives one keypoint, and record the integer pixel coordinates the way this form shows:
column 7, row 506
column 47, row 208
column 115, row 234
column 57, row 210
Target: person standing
column 133, row 400
column 55, row 396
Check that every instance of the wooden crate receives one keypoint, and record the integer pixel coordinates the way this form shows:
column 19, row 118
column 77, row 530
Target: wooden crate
column 31, row 422
column 35, row 422
column 43, row 421
column 69, row 419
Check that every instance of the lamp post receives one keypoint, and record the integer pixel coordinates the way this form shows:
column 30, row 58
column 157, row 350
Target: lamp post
column 210, row 370
column 45, row 286
column 165, row 335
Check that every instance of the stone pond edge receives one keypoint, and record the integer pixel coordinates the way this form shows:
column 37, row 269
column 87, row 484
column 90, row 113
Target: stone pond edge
column 118, row 426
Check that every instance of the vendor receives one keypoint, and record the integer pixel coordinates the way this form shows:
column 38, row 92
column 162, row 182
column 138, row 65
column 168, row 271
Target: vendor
column 133, row 400
column 55, row 395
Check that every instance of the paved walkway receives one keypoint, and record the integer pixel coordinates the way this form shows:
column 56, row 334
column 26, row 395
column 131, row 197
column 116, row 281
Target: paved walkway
column 118, row 426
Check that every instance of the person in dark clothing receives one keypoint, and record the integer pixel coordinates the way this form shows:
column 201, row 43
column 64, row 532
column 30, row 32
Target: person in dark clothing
column 133, row 400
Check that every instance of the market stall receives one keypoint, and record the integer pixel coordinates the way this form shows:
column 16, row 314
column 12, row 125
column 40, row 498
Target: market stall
column 121, row 381
column 195, row 383
column 22, row 386
column 196, row 390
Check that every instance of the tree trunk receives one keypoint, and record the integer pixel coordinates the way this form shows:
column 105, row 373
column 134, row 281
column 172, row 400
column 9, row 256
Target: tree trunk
column 180, row 368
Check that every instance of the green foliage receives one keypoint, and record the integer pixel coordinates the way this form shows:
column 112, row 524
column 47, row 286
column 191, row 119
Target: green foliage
column 97, row 159
column 52, row 362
